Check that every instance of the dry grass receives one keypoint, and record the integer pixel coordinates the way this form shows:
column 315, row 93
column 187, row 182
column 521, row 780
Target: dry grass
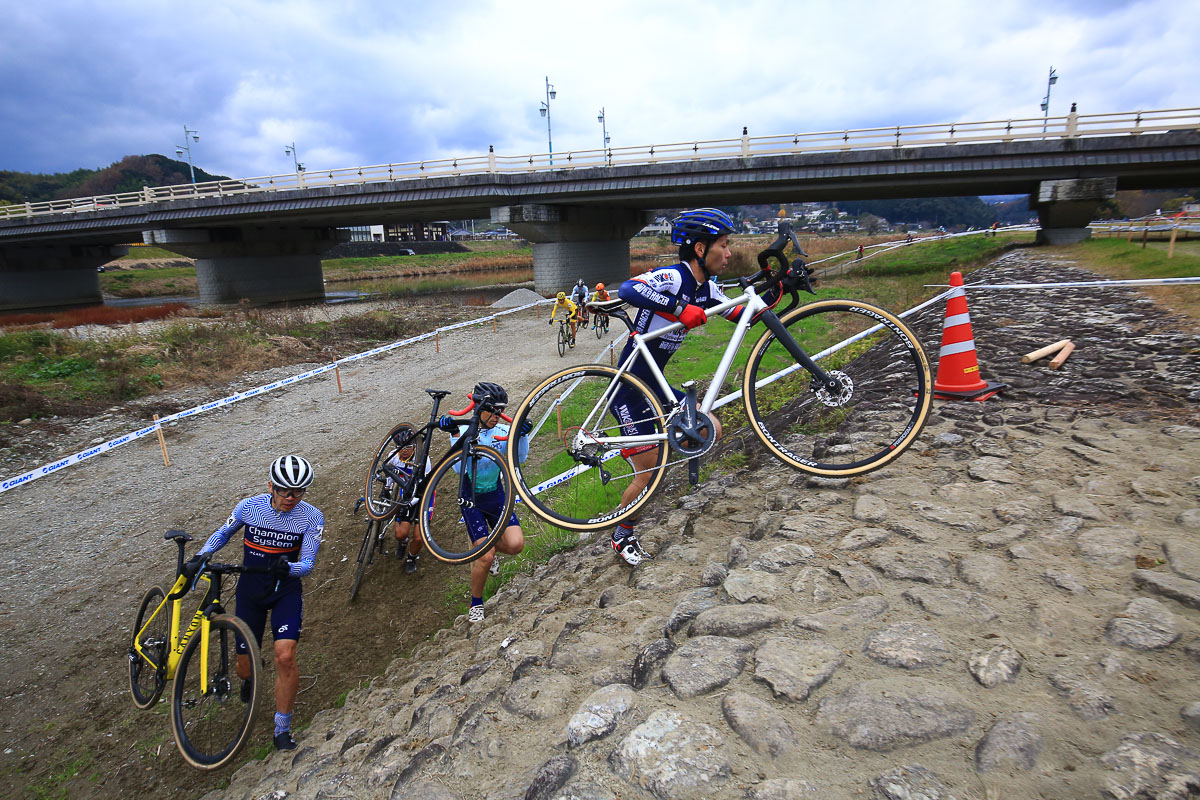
column 94, row 315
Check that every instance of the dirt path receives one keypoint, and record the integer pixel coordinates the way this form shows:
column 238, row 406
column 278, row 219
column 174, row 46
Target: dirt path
column 82, row 546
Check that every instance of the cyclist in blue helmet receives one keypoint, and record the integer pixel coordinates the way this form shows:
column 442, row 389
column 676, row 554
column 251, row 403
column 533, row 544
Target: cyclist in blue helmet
column 661, row 297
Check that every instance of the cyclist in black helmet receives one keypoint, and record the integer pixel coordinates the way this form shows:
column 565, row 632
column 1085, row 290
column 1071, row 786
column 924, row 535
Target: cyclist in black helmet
column 661, row 297
column 489, row 499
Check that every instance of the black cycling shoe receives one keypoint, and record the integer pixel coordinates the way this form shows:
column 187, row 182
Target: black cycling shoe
column 247, row 691
column 401, row 548
column 284, row 741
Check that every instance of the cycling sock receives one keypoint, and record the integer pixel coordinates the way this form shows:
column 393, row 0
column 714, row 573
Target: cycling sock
column 621, row 531
column 283, row 722
column 476, row 601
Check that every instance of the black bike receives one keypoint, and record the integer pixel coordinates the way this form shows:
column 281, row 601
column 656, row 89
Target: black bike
column 392, row 493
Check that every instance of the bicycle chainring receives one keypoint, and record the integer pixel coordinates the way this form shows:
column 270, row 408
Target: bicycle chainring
column 842, row 397
column 686, row 442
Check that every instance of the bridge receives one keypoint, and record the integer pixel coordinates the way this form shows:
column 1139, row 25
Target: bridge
column 262, row 238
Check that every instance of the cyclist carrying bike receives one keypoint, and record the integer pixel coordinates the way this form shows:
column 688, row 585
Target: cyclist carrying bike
column 407, row 533
column 489, row 497
column 281, row 533
column 663, row 296
column 572, row 312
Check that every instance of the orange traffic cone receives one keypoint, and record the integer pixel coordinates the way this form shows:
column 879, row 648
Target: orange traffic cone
column 958, row 370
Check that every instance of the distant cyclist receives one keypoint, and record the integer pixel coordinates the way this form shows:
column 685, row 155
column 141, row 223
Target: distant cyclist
column 489, row 497
column 579, row 296
column 598, row 296
column 283, row 534
column 570, row 309
column 661, row 297
column 407, row 533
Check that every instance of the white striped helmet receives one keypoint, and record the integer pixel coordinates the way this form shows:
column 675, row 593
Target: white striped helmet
column 291, row 472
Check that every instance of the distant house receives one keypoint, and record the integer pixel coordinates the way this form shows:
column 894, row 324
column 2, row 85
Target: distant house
column 660, row 227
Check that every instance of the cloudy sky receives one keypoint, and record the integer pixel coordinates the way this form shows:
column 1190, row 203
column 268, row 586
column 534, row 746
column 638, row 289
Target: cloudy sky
column 382, row 81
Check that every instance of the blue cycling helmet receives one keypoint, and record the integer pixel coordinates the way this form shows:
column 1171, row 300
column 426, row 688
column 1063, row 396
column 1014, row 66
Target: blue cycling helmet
column 698, row 224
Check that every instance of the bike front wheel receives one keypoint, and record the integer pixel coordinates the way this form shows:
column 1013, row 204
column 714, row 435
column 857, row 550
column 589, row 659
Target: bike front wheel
column 881, row 403
column 564, row 339
column 574, row 477
column 383, row 488
column 208, row 717
column 455, row 504
column 148, row 650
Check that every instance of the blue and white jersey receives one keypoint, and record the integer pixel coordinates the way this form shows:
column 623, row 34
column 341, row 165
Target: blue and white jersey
column 268, row 533
column 659, row 295
column 487, row 476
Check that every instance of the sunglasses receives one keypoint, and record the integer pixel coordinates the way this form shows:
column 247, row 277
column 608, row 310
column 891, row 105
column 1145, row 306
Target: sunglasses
column 290, row 492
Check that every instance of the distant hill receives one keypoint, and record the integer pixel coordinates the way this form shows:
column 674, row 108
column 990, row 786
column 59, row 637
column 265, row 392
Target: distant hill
column 129, row 174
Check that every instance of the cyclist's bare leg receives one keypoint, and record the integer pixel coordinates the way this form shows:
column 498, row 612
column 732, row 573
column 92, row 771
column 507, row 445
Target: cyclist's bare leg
column 243, row 667
column 287, row 675
column 511, row 542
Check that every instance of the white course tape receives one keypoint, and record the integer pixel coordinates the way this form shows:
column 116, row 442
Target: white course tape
column 1138, row 282
column 55, row 466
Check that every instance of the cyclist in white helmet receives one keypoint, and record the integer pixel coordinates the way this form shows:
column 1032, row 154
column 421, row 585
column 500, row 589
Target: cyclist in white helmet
column 281, row 533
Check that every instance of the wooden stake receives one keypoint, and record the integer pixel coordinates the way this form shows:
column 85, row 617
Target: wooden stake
column 1171, row 247
column 162, row 443
column 1145, row 233
column 1062, row 355
column 493, row 324
column 337, row 373
column 1029, row 358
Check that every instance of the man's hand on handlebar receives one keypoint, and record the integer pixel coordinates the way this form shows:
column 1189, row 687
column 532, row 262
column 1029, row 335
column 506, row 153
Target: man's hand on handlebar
column 192, row 567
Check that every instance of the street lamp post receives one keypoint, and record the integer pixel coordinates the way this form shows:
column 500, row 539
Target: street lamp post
column 180, row 149
column 290, row 150
column 1053, row 79
column 545, row 111
column 604, row 129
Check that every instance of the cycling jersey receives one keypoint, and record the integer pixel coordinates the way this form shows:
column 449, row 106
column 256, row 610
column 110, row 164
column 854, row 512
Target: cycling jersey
column 600, row 297
column 268, row 534
column 566, row 305
column 579, row 295
column 487, row 476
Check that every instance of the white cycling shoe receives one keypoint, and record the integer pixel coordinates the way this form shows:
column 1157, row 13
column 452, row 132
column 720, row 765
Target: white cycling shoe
column 630, row 550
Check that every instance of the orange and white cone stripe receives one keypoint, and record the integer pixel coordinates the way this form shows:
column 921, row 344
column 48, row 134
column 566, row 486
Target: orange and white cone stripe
column 958, row 368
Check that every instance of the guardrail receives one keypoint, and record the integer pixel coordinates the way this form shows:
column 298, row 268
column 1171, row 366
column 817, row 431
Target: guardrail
column 1071, row 126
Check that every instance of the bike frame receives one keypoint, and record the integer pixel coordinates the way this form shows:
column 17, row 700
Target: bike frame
column 199, row 623
column 754, row 307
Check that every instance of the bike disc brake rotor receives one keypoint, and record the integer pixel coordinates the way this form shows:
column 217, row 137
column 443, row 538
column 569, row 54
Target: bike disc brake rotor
column 842, row 397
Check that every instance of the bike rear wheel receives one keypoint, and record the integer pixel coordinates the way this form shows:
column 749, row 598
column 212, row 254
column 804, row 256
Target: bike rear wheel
column 447, row 498
column 148, row 650
column 564, row 339
column 884, row 402
column 209, row 720
column 366, row 553
column 571, row 478
column 383, row 489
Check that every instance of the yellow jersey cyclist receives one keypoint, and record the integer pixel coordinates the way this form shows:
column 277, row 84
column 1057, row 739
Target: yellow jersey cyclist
column 562, row 303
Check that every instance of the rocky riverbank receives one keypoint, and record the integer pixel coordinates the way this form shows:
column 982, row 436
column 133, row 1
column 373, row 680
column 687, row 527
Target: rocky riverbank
column 1010, row 610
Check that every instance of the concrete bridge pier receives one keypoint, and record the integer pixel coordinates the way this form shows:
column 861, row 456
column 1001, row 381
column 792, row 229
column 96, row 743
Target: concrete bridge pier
column 40, row 276
column 1065, row 207
column 572, row 242
column 262, row 264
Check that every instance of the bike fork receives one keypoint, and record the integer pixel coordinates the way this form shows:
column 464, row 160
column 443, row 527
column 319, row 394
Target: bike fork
column 785, row 338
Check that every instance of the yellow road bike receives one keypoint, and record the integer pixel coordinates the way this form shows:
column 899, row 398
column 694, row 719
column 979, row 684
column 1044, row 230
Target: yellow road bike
column 211, row 715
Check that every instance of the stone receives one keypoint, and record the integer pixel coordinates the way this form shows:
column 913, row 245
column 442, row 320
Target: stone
column 751, row 586
column 883, row 715
column 913, row 566
column 784, row 789
column 1183, row 557
column 963, row 519
column 777, row 559
column 982, row 570
column 538, row 696
column 990, row 468
column 843, row 618
column 998, row 665
column 1013, row 742
column 739, row 553
column 869, row 508
column 551, row 776
column 794, row 669
column 950, row 603
column 1151, row 765
column 599, row 713
column 585, row 648
column 909, row 782
column 813, row 584
column 1179, row 589
column 672, row 757
column 862, row 538
column 765, row 525
column 735, row 620
column 1073, row 504
column 1112, row 547
column 1191, row 715
column 1064, row 580
column 1085, row 698
column 688, row 606
column 1003, row 537
column 907, row 645
column 1145, row 624
column 858, row 578
column 714, row 574
column 704, row 664
column 758, row 724
column 648, row 663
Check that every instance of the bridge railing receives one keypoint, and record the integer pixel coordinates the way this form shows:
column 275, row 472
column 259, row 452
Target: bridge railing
column 1071, row 126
